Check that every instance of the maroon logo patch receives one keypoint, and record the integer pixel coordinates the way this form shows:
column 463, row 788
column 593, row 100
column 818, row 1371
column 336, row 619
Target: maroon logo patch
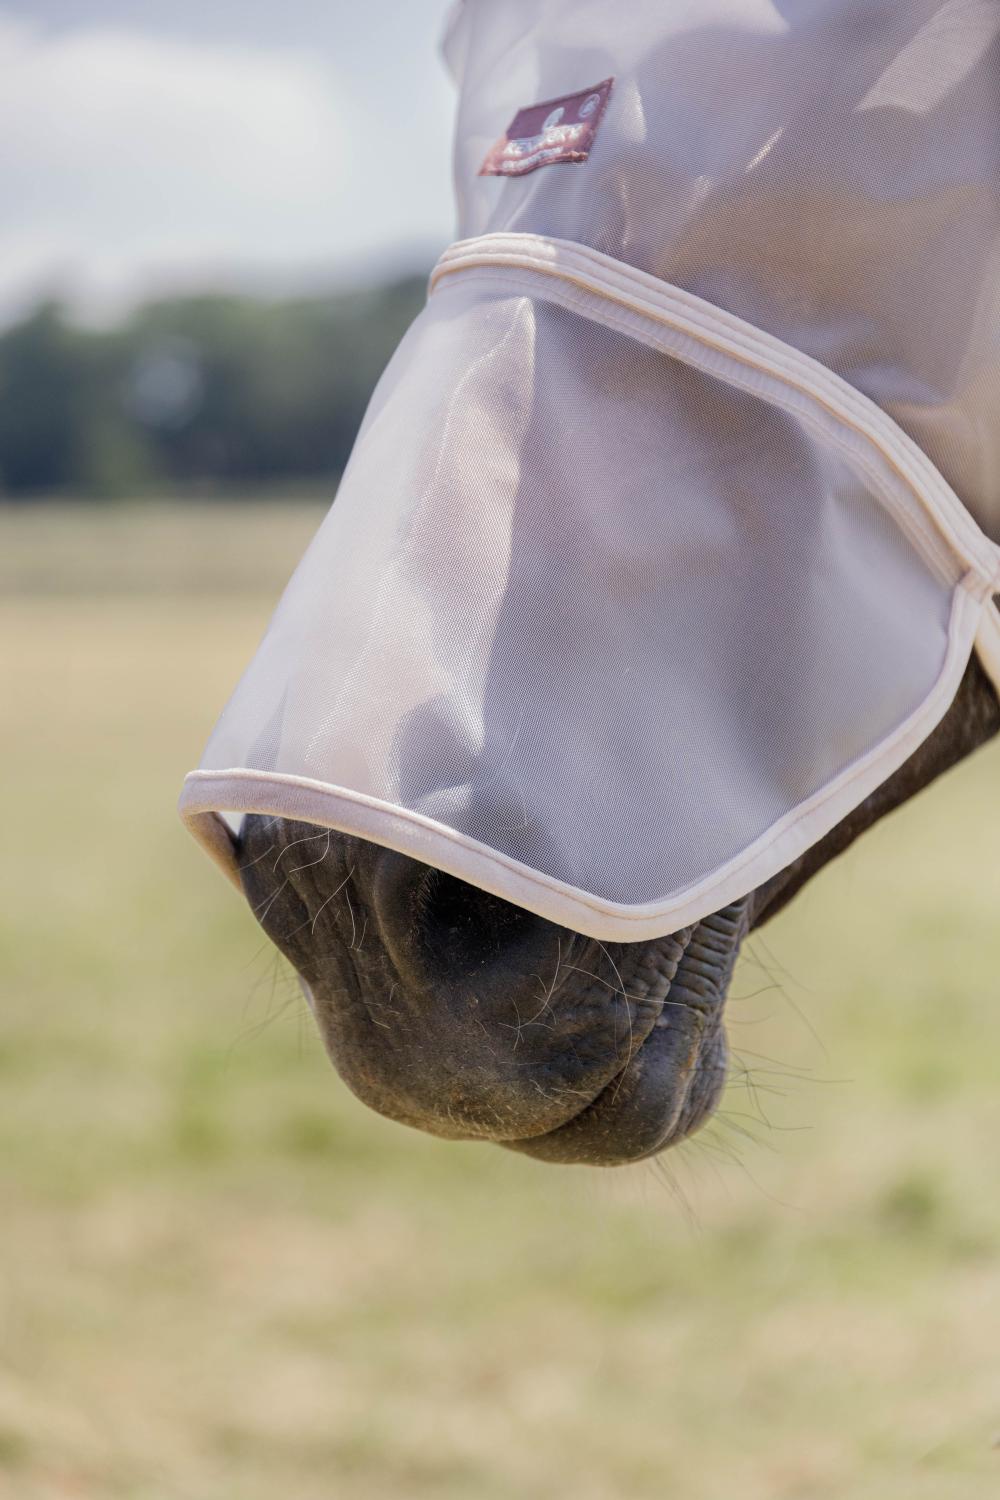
column 543, row 134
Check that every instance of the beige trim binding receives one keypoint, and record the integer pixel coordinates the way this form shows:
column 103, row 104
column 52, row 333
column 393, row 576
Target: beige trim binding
column 205, row 792
column 711, row 339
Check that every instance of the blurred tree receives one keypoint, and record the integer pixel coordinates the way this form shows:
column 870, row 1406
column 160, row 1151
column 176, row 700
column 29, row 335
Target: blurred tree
column 42, row 380
column 220, row 391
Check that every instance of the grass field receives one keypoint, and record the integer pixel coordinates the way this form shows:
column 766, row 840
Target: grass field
column 222, row 1279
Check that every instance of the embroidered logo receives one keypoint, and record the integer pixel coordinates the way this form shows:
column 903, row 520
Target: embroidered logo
column 543, row 134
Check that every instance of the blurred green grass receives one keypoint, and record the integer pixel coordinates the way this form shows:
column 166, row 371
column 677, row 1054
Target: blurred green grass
column 220, row 1276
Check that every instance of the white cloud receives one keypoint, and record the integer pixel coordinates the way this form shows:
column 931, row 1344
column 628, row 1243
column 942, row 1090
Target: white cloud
column 125, row 157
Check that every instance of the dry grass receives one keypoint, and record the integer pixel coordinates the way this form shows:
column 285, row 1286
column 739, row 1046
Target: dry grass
column 220, row 1276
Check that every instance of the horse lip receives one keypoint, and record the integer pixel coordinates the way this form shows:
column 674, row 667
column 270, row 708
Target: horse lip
column 670, row 1078
column 674, row 1079
column 621, row 1125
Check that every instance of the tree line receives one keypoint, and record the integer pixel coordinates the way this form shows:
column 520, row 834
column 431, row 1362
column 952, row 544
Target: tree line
column 216, row 392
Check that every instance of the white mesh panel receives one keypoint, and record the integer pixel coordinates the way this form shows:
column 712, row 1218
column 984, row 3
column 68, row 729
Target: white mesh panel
column 587, row 606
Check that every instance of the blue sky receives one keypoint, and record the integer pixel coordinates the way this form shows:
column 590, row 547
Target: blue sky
column 146, row 146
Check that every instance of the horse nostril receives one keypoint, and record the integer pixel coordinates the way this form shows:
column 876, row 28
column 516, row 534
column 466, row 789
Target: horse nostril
column 430, row 920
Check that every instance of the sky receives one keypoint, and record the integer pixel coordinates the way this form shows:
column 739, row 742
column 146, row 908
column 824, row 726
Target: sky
column 269, row 144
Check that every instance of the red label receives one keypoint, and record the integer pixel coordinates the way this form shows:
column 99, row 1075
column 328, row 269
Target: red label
column 543, row 134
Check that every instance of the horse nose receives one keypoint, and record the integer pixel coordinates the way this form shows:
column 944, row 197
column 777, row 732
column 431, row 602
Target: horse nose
column 440, row 1004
